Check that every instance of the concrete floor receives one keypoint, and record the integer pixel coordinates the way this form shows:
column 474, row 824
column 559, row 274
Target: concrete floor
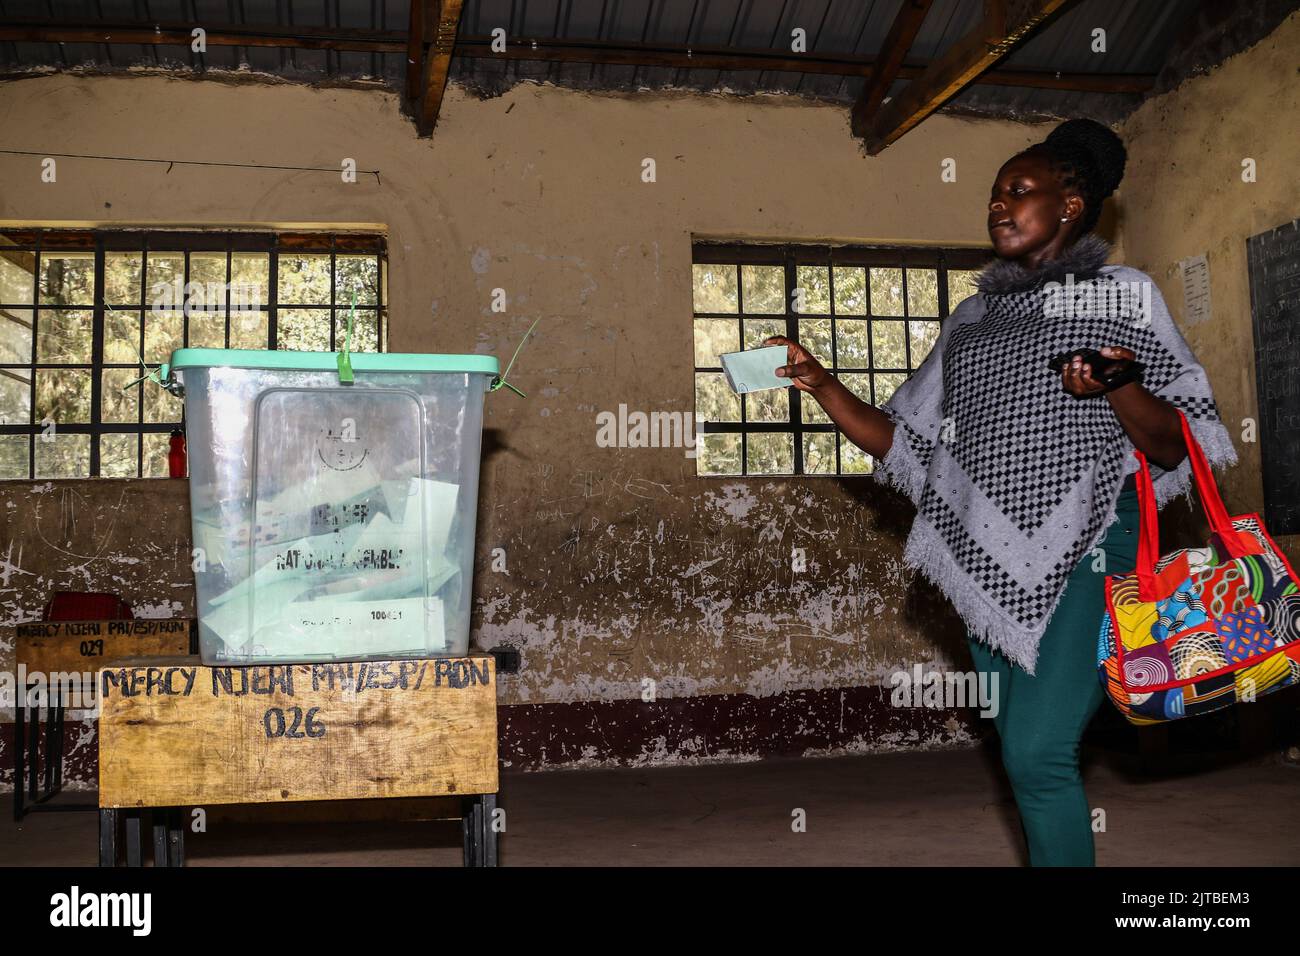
column 946, row 808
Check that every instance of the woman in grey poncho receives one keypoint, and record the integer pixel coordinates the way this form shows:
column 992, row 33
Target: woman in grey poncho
column 1022, row 477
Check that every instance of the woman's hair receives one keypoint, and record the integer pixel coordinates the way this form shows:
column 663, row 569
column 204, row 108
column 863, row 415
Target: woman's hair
column 1089, row 158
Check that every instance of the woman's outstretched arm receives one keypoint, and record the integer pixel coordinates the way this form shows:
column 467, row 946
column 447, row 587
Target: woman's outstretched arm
column 863, row 424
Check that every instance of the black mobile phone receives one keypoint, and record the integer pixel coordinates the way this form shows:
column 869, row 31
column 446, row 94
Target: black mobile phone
column 1120, row 372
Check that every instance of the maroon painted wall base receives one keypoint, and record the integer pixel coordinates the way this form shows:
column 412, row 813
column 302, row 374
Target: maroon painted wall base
column 669, row 731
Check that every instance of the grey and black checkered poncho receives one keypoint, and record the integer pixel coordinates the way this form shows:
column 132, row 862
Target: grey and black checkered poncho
column 1014, row 479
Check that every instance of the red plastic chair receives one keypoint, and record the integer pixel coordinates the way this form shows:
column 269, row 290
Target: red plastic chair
column 87, row 606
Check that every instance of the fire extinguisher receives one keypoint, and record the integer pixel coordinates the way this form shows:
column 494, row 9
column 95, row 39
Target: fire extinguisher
column 176, row 466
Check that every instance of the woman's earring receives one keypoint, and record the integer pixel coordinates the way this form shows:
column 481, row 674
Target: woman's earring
column 1065, row 219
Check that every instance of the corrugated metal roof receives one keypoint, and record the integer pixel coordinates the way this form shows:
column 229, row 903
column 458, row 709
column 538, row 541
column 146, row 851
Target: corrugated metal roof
column 1139, row 37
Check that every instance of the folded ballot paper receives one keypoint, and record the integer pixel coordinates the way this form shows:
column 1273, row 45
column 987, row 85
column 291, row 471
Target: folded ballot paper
column 347, row 551
column 362, row 587
column 755, row 369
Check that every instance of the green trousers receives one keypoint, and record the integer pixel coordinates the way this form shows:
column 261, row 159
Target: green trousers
column 1041, row 718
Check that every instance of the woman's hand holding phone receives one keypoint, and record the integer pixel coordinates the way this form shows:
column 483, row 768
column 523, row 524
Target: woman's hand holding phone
column 1082, row 380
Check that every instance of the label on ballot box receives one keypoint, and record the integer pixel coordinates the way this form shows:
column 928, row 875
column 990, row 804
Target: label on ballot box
column 374, row 626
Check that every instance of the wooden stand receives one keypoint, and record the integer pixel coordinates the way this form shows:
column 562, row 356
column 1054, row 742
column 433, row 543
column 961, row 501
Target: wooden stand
column 174, row 733
column 67, row 655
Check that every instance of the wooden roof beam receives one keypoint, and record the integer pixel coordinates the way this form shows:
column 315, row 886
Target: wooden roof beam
column 415, row 51
column 898, row 42
column 445, row 20
column 1005, row 24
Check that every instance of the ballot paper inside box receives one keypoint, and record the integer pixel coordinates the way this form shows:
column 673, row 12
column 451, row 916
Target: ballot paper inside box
column 337, row 521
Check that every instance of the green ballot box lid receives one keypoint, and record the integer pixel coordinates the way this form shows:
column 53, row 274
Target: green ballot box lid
column 328, row 361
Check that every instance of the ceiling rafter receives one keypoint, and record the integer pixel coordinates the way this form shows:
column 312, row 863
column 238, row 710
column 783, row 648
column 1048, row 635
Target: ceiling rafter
column 1004, row 26
column 445, row 21
column 898, row 42
column 155, row 34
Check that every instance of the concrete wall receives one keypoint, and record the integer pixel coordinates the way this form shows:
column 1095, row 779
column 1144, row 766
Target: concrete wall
column 621, row 564
column 1183, row 195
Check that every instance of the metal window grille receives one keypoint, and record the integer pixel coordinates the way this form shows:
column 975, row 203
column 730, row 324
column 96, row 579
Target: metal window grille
column 81, row 310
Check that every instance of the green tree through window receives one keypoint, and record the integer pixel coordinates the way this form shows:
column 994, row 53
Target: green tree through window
column 80, row 311
column 869, row 314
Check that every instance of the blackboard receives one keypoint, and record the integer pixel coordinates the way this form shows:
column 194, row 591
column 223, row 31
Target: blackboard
column 1274, row 262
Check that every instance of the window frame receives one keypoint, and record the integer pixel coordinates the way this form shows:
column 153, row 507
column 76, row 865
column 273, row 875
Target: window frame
column 791, row 256
column 39, row 241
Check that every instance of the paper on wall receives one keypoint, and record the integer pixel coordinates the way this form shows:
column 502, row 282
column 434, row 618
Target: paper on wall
column 1196, row 290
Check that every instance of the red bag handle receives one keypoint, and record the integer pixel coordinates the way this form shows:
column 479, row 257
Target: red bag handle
column 1212, row 504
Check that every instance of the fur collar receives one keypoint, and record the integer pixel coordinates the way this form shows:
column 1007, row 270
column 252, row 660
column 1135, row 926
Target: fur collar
column 1083, row 259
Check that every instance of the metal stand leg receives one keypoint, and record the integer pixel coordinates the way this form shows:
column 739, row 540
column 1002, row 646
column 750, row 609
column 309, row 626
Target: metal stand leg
column 476, row 829
column 471, row 830
column 56, row 744
column 33, row 753
column 51, row 722
column 20, row 755
column 107, row 837
column 466, row 833
column 176, row 836
column 489, row 804
column 133, row 845
column 158, row 820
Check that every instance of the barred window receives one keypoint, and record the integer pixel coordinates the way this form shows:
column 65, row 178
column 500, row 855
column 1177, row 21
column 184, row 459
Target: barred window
column 869, row 314
column 82, row 312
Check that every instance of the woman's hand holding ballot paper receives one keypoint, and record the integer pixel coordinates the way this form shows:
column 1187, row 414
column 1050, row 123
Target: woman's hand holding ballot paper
column 863, row 424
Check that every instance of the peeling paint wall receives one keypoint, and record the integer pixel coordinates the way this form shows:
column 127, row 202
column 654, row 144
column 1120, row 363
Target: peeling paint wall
column 621, row 564
column 618, row 579
column 89, row 536
column 129, row 538
column 1184, row 196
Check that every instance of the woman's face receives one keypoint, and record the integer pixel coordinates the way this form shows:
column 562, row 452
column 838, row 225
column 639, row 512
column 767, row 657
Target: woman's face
column 1026, row 208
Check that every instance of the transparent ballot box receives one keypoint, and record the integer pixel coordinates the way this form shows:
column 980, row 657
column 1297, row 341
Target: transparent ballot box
column 332, row 521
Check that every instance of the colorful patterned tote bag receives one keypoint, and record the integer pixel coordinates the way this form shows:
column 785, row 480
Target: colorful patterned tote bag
column 1202, row 628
